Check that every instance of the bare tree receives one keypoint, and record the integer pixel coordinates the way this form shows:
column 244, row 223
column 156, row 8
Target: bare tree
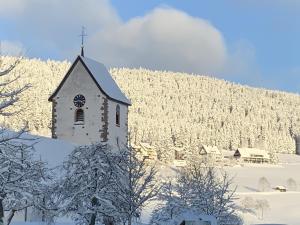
column 291, row 184
column 262, row 205
column 15, row 164
column 9, row 96
column 202, row 189
column 263, row 184
column 83, row 190
column 21, row 180
column 102, row 185
column 134, row 185
column 248, row 204
column 171, row 204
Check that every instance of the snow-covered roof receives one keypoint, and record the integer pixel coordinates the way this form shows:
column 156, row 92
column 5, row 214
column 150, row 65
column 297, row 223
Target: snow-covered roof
column 102, row 77
column 191, row 215
column 211, row 149
column 178, row 149
column 252, row 152
column 53, row 151
column 146, row 145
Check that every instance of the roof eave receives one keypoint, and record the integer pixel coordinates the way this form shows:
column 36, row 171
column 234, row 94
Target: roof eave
column 86, row 67
column 50, row 99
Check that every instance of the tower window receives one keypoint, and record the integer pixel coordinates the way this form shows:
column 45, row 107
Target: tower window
column 118, row 115
column 79, row 116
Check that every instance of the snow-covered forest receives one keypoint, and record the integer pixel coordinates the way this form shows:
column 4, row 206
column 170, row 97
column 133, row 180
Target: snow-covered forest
column 174, row 109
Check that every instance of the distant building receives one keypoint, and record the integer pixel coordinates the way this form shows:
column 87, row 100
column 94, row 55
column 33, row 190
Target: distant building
column 211, row 152
column 189, row 217
column 297, row 141
column 280, row 188
column 179, row 157
column 145, row 151
column 252, row 155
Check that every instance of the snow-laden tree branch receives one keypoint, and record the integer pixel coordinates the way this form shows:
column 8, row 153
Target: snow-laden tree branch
column 100, row 184
column 201, row 189
column 22, row 178
column 134, row 186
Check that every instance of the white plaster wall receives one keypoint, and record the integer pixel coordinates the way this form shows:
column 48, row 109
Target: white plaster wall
column 115, row 131
column 79, row 82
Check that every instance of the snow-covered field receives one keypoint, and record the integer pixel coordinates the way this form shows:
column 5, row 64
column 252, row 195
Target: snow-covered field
column 284, row 206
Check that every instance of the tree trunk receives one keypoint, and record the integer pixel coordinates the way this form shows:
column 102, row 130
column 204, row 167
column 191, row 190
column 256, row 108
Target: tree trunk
column 93, row 219
column 1, row 212
column 129, row 220
column 10, row 216
column 25, row 214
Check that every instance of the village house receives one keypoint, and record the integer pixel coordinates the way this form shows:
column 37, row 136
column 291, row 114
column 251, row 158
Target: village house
column 145, row 151
column 179, row 157
column 191, row 217
column 210, row 152
column 252, row 155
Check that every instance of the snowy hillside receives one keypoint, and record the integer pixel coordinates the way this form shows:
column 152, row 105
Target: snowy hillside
column 176, row 109
column 283, row 207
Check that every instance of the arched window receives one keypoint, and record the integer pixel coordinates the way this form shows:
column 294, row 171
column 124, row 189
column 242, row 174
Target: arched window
column 118, row 115
column 79, row 116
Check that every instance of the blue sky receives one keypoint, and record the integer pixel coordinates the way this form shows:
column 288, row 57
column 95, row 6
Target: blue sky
column 254, row 42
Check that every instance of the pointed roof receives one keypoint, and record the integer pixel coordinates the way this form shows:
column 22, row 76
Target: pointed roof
column 252, row 152
column 102, row 78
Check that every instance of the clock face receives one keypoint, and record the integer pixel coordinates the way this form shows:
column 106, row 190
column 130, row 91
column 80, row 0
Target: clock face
column 79, row 100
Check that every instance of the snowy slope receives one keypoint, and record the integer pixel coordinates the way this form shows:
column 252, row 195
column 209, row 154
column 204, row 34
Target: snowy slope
column 166, row 105
column 53, row 151
column 284, row 207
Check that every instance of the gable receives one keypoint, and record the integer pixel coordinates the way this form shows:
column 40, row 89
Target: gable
column 100, row 76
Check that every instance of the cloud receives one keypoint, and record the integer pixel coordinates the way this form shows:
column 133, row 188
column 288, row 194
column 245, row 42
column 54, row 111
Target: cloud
column 11, row 48
column 57, row 23
column 163, row 39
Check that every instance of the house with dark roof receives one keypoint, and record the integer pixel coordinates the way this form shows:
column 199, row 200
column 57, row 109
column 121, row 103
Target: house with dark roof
column 89, row 107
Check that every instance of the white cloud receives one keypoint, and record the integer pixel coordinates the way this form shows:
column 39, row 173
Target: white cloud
column 11, row 48
column 164, row 38
column 57, row 23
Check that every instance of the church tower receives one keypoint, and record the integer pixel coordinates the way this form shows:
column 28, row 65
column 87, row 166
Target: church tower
column 89, row 107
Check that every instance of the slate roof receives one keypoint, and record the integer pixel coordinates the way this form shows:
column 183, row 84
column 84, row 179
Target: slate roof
column 102, row 78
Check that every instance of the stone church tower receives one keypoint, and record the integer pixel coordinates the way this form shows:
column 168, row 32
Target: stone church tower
column 89, row 107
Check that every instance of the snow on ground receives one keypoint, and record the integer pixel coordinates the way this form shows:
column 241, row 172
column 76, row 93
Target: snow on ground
column 284, row 207
column 53, row 151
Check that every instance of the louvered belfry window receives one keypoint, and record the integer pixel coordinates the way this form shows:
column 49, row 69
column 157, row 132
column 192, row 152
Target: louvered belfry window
column 79, row 116
column 118, row 115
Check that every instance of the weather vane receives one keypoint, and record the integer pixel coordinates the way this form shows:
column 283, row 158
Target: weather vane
column 82, row 35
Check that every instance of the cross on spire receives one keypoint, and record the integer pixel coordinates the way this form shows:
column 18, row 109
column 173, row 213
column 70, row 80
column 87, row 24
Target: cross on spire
column 82, row 35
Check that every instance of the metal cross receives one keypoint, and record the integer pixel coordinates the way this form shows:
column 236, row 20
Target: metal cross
column 82, row 35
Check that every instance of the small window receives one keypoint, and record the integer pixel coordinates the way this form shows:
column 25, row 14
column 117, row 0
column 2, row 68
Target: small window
column 79, row 116
column 179, row 155
column 118, row 115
